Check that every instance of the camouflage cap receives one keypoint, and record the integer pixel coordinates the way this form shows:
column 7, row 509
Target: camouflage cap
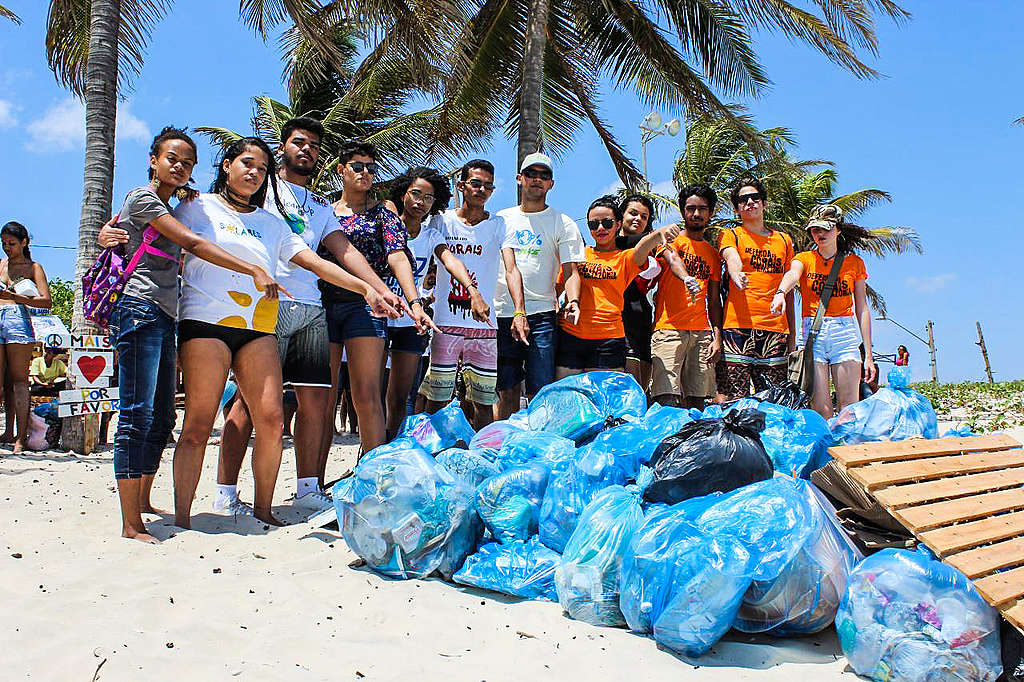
column 825, row 216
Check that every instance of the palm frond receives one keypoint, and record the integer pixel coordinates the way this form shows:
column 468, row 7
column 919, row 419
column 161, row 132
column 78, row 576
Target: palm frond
column 1019, row 121
column 893, row 240
column 875, row 300
column 220, row 137
column 67, row 39
column 310, row 18
column 8, row 14
column 857, row 202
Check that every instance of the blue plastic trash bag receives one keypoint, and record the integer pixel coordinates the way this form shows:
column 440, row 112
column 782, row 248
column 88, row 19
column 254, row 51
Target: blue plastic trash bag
column 47, row 410
column 908, row 618
column 493, row 435
column 577, row 406
column 962, row 431
column 469, row 466
column 419, row 428
column 524, row 446
column 463, row 541
column 400, row 510
column 587, row 579
column 522, row 569
column 797, row 441
column 452, row 426
column 894, row 412
column 509, row 503
column 593, row 469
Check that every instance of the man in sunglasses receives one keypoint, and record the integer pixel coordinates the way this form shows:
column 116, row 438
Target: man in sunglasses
column 688, row 328
column 480, row 241
column 755, row 342
column 546, row 242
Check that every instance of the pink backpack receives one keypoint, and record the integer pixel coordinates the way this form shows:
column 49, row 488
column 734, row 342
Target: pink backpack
column 103, row 283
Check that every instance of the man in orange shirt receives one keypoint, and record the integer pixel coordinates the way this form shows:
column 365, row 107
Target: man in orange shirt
column 688, row 328
column 755, row 342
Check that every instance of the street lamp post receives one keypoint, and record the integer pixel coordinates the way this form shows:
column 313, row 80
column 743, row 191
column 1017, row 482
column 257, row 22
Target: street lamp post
column 930, row 342
column 650, row 128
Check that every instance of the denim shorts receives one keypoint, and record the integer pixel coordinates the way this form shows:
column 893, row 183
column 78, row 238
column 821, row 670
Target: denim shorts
column 352, row 319
column 406, row 339
column 15, row 325
column 302, row 343
column 838, row 341
column 533, row 363
column 577, row 353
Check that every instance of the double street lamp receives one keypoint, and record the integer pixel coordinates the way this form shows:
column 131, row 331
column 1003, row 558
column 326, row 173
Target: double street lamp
column 650, row 128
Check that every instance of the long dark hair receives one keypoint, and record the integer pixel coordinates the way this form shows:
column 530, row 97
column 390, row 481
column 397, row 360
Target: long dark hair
column 401, row 184
column 18, row 231
column 232, row 152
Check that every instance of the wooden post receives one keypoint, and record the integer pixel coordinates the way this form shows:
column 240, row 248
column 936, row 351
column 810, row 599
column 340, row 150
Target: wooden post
column 984, row 354
column 931, row 350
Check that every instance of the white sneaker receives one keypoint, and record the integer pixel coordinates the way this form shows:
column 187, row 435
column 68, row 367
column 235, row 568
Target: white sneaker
column 314, row 502
column 235, row 507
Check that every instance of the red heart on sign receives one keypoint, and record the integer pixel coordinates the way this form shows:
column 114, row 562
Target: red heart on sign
column 91, row 366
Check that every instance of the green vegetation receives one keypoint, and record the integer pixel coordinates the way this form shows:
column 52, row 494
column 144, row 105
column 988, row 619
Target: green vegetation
column 982, row 406
column 62, row 292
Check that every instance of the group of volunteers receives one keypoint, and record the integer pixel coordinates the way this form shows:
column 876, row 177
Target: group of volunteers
column 280, row 286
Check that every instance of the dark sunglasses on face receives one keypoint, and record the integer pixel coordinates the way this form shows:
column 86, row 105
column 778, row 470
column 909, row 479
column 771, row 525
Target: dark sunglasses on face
column 534, row 173
column 358, row 167
column 595, row 225
column 744, row 198
column 476, row 183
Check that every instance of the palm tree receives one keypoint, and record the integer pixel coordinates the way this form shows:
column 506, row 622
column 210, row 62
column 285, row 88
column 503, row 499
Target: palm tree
column 535, row 65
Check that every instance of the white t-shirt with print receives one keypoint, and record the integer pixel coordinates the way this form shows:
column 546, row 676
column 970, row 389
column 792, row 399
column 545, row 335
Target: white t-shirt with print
column 422, row 249
column 312, row 218
column 479, row 248
column 216, row 295
column 543, row 242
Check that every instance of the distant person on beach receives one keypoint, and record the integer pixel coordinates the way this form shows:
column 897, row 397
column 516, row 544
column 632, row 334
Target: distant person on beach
column 902, row 356
column 227, row 322
column 47, row 375
column 465, row 314
column 755, row 342
column 142, row 325
column 548, row 242
column 23, row 285
column 847, row 324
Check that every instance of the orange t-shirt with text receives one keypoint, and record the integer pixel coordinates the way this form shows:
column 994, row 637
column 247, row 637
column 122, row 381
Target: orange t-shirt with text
column 604, row 276
column 766, row 258
column 816, row 271
column 672, row 307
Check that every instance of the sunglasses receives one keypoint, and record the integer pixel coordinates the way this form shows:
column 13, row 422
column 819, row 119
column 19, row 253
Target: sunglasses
column 358, row 167
column 606, row 223
column 533, row 174
column 476, row 183
column 744, row 198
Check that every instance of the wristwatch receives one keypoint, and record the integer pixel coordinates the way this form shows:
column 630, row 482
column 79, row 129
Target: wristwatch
column 417, row 300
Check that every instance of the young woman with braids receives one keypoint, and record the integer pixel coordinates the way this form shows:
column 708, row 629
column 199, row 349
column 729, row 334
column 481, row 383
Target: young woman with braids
column 848, row 315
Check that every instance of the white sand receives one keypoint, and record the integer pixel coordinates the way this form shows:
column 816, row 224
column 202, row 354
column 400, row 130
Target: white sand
column 232, row 600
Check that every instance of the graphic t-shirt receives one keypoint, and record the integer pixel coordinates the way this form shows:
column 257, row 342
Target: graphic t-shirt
column 672, row 306
column 543, row 242
column 422, row 248
column 376, row 233
column 604, row 276
column 312, row 218
column 479, row 248
column 39, row 368
column 766, row 258
column 812, row 282
column 216, row 295
column 155, row 278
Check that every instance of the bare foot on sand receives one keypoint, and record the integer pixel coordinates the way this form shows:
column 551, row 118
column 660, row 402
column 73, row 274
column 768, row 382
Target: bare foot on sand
column 266, row 516
column 18, row 447
column 150, row 509
column 134, row 534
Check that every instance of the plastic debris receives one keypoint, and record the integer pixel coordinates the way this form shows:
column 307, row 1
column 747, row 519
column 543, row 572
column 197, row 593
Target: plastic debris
column 521, row 569
column 509, row 503
column 894, row 412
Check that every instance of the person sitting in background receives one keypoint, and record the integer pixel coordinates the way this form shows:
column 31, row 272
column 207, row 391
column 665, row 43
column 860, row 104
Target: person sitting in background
column 47, row 374
column 902, row 356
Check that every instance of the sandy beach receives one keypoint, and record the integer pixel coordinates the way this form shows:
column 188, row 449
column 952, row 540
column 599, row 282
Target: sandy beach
column 234, row 599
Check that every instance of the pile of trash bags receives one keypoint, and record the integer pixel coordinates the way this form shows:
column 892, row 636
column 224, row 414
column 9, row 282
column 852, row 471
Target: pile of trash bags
column 680, row 524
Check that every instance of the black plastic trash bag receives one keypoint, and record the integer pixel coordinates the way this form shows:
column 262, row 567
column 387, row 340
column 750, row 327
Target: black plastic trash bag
column 786, row 394
column 710, row 455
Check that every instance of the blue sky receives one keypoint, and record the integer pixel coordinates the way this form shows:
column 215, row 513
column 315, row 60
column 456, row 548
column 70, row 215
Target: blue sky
column 936, row 133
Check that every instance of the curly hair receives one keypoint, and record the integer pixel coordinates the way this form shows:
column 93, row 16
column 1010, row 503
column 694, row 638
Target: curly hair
column 401, row 184
column 166, row 135
column 356, row 147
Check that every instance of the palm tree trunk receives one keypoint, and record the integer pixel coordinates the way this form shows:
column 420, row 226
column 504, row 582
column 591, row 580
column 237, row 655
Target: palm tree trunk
column 533, row 78
column 98, row 185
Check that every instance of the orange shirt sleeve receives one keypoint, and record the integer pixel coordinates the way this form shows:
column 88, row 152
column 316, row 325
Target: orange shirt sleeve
column 728, row 239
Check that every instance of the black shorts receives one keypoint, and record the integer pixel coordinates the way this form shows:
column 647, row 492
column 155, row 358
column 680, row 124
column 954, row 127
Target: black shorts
column 407, row 340
column 232, row 337
column 576, row 353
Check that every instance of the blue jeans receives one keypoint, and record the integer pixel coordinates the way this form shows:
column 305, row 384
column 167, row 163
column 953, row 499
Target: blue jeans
column 534, row 363
column 146, row 371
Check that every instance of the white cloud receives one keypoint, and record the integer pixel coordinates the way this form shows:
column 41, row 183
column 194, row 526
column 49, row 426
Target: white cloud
column 931, row 283
column 7, row 119
column 62, row 127
column 612, row 188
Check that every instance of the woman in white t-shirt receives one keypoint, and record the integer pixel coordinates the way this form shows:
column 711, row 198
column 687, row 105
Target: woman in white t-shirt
column 418, row 196
column 225, row 322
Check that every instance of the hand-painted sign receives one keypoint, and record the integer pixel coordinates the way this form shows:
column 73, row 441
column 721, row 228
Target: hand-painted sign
column 90, row 366
column 77, row 402
column 88, row 341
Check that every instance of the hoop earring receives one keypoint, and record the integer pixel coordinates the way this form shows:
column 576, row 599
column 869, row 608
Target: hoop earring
column 155, row 182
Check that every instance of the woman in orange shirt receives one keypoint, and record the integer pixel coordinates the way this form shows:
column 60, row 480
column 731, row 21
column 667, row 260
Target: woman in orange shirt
column 837, row 347
column 596, row 338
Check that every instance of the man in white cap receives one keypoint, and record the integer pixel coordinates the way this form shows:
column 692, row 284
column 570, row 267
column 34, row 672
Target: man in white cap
column 546, row 242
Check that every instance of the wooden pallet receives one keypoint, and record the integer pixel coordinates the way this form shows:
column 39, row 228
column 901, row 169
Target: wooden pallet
column 962, row 497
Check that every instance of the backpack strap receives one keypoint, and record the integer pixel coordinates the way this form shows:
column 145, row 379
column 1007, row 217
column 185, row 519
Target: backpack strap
column 148, row 237
column 826, row 296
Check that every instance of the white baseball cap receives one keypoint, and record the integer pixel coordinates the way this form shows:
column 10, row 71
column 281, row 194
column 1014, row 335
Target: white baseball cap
column 536, row 159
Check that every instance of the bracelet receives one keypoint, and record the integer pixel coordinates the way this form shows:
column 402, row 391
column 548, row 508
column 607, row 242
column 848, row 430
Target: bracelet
column 575, row 300
column 415, row 301
column 519, row 313
column 780, row 291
